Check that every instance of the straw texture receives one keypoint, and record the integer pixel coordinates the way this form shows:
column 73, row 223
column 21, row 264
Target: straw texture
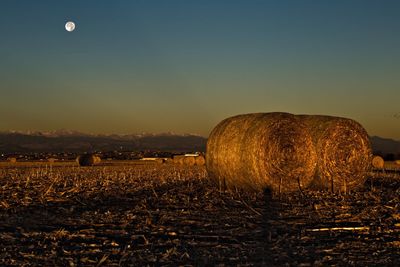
column 261, row 150
column 343, row 152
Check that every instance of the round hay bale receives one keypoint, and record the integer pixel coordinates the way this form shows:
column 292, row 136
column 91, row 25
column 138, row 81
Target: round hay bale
column 97, row 159
column 200, row 160
column 169, row 161
column 397, row 162
column 12, row 160
column 378, row 162
column 178, row 159
column 86, row 160
column 159, row 161
column 343, row 152
column 261, row 150
column 189, row 160
column 51, row 160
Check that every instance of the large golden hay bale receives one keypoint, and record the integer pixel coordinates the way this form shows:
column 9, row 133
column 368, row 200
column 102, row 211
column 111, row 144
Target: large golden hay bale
column 12, row 160
column 343, row 152
column 261, row 150
column 397, row 162
column 378, row 162
column 189, row 160
column 88, row 160
column 200, row 160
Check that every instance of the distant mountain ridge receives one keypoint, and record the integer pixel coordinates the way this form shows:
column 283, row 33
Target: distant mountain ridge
column 384, row 145
column 74, row 141
column 64, row 132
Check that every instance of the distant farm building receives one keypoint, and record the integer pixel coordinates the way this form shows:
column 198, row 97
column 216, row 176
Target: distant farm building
column 157, row 160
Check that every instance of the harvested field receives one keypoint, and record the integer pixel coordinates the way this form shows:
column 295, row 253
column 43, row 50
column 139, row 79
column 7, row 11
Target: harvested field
column 170, row 215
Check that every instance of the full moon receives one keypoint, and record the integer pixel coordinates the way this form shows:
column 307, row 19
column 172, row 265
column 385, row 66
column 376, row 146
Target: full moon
column 70, row 26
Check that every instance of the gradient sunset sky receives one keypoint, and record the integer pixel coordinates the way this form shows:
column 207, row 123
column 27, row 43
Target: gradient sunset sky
column 183, row 66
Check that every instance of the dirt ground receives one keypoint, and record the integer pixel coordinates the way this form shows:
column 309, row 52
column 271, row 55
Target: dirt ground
column 171, row 215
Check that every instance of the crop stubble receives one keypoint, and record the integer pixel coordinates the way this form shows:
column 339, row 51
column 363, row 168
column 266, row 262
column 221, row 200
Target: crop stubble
column 171, row 215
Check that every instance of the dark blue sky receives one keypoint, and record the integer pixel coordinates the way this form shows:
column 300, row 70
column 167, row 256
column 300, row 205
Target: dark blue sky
column 182, row 66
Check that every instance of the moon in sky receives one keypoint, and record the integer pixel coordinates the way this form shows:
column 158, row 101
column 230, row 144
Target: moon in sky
column 70, row 26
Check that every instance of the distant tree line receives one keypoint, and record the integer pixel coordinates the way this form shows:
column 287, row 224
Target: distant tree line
column 116, row 155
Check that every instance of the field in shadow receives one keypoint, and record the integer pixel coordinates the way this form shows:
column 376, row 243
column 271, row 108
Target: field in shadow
column 172, row 215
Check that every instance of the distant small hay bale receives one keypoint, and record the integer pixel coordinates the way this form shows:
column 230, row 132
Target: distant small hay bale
column 159, row 161
column 200, row 160
column 97, row 159
column 87, row 160
column 189, row 160
column 51, row 160
column 178, row 159
column 378, row 162
column 12, row 160
column 343, row 152
column 397, row 162
column 261, row 151
column 169, row 160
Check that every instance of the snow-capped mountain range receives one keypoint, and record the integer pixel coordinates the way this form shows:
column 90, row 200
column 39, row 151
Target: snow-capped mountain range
column 74, row 141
